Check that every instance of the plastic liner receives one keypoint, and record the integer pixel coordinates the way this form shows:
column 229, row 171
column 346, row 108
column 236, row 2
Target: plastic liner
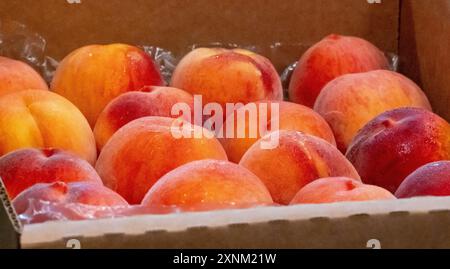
column 19, row 42
column 164, row 59
column 39, row 211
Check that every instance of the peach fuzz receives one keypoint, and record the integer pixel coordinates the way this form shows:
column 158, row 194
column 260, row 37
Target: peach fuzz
column 18, row 76
column 330, row 58
column 298, row 160
column 148, row 101
column 37, row 119
column 291, row 117
column 339, row 189
column 351, row 101
column 144, row 150
column 24, row 168
column 432, row 179
column 208, row 185
column 90, row 77
column 398, row 142
column 86, row 193
column 228, row 76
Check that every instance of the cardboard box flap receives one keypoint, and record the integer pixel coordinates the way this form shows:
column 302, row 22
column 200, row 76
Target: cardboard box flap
column 9, row 209
column 425, row 49
column 10, row 226
column 218, row 229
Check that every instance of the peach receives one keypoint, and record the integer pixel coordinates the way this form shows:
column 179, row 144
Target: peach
column 208, row 185
column 298, row 160
column 432, row 179
column 291, row 116
column 339, row 189
column 144, row 150
column 396, row 143
column 228, row 76
column 18, row 76
column 148, row 101
column 332, row 57
column 351, row 101
column 37, row 119
column 90, row 77
column 86, row 193
column 24, row 168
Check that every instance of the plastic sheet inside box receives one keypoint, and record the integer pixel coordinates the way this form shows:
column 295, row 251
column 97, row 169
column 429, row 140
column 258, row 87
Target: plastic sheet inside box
column 42, row 211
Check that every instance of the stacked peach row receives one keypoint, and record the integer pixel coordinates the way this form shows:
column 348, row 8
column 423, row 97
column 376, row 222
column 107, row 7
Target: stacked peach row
column 103, row 134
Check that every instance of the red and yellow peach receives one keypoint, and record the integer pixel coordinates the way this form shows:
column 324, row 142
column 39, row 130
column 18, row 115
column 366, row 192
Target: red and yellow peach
column 24, row 168
column 432, row 179
column 290, row 116
column 330, row 58
column 90, row 77
column 144, row 150
column 18, row 76
column 148, row 101
column 351, row 101
column 38, row 119
column 339, row 189
column 298, row 160
column 228, row 76
column 208, row 185
column 396, row 143
column 85, row 193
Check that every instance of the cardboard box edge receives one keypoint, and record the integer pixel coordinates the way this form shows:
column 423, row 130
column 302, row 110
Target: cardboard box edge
column 11, row 228
column 216, row 224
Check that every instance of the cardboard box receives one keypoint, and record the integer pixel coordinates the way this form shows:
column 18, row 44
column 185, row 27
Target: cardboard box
column 419, row 31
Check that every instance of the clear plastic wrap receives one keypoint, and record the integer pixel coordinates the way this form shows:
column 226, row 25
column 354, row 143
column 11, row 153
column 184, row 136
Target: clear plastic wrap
column 39, row 211
column 19, row 42
column 164, row 59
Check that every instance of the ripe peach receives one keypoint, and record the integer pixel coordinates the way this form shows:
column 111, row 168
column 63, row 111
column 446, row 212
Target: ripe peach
column 332, row 57
column 24, row 168
column 291, row 116
column 208, row 185
column 228, row 76
column 298, row 160
column 37, row 119
column 350, row 101
column 18, row 76
column 149, row 101
column 141, row 152
column 432, row 179
column 339, row 189
column 86, row 193
column 90, row 77
column 396, row 143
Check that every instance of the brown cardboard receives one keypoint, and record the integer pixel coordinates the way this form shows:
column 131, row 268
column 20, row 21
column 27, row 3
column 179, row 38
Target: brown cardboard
column 420, row 35
column 9, row 225
column 425, row 49
column 8, row 235
column 177, row 25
